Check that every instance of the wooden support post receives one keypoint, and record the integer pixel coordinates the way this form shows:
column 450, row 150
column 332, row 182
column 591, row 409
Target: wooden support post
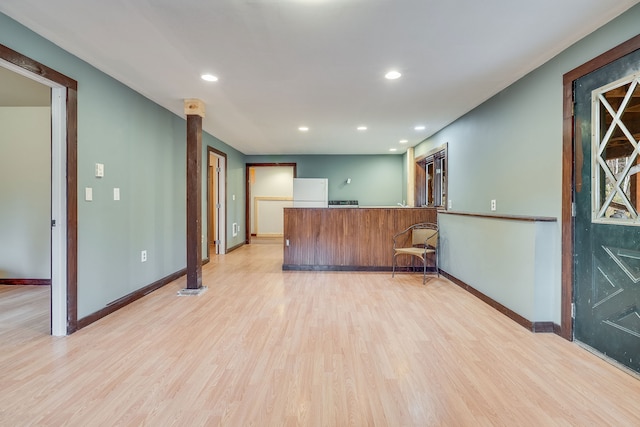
column 194, row 109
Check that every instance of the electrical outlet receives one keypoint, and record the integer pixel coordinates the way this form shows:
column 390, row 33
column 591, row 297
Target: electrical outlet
column 493, row 205
column 450, row 204
column 234, row 229
column 143, row 256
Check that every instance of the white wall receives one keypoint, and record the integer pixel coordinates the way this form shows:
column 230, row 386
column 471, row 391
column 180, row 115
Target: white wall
column 271, row 191
column 25, row 192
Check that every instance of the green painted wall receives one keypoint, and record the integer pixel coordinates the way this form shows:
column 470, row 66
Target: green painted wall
column 142, row 146
column 376, row 180
column 510, row 149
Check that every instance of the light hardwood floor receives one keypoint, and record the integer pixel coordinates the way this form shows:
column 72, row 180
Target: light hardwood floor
column 263, row 347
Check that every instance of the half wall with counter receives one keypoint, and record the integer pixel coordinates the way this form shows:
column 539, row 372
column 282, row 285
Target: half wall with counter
column 356, row 239
column 508, row 259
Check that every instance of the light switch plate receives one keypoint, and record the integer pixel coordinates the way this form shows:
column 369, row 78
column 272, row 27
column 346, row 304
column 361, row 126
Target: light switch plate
column 99, row 170
column 116, row 194
column 88, row 194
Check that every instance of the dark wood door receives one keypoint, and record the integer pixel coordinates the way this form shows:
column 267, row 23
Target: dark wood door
column 607, row 223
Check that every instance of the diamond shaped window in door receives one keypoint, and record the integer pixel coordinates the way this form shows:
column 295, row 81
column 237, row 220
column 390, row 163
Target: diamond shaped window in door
column 616, row 152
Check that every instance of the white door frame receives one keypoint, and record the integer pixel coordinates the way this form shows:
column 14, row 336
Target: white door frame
column 58, row 198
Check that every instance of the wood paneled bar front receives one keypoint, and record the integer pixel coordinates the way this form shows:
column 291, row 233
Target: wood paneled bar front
column 356, row 239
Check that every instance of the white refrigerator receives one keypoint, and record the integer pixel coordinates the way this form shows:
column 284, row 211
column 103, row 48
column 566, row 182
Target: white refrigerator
column 310, row 192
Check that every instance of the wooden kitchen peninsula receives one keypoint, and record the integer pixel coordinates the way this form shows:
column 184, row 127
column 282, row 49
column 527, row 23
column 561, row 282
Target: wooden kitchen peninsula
column 356, row 239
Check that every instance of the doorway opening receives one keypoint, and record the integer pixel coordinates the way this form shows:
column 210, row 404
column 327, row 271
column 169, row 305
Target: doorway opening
column 216, row 203
column 63, row 186
column 25, row 201
column 269, row 190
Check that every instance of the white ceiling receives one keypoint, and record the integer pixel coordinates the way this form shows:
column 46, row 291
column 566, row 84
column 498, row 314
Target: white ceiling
column 320, row 63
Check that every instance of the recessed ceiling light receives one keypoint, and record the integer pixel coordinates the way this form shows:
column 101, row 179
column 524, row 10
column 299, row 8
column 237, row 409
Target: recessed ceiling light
column 209, row 77
column 362, row 128
column 403, row 141
column 420, row 127
column 392, row 75
column 303, row 128
column 393, row 149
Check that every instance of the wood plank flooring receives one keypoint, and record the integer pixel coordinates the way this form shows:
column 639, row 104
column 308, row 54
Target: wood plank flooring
column 263, row 347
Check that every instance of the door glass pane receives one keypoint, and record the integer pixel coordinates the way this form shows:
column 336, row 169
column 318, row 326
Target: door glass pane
column 617, row 207
column 615, row 146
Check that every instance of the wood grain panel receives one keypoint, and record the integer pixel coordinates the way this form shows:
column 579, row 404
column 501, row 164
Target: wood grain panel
column 37, row 68
column 25, row 282
column 372, row 231
column 522, row 218
column 297, row 248
column 72, row 210
column 194, row 201
column 346, row 238
column 330, row 241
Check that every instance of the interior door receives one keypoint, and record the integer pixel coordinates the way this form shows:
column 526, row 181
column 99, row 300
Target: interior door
column 607, row 201
column 215, row 204
column 214, row 197
column 218, row 206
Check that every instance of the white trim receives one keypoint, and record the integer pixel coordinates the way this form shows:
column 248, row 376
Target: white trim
column 222, row 211
column 58, row 212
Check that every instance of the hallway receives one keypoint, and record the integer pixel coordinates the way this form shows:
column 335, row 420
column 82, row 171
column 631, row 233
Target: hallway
column 268, row 348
